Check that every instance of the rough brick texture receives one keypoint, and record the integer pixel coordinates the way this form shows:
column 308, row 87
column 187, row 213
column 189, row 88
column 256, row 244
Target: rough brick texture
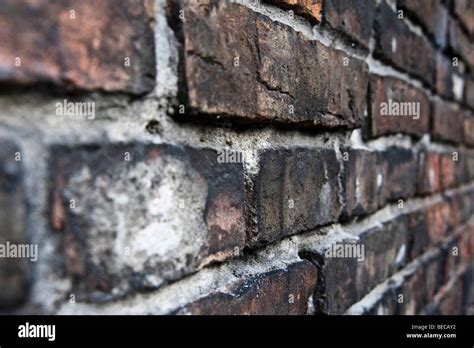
column 205, row 157
column 87, row 45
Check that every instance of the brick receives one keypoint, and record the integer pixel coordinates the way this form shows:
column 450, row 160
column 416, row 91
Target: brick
column 346, row 280
column 385, row 94
column 278, row 292
column 354, row 18
column 464, row 10
column 87, row 52
column 459, row 43
column 14, row 272
column 469, row 93
column 453, row 169
column 280, row 76
column 360, row 184
column 399, row 170
column 451, row 302
column 431, row 15
column 417, row 234
column 428, row 178
column 447, row 122
column 310, row 9
column 469, row 129
column 295, row 190
column 396, row 44
column 444, row 76
column 115, row 203
column 439, row 220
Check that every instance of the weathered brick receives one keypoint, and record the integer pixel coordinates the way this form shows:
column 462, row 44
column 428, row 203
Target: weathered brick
column 295, row 190
column 242, row 65
column 430, row 14
column 464, row 10
column 14, row 272
column 417, row 234
column 428, row 178
column 387, row 93
column 396, row 44
column 135, row 216
column 83, row 45
column 354, row 18
column 444, row 76
column 399, row 171
column 451, row 299
column 279, row 292
column 459, row 43
column 453, row 169
column 345, row 279
column 469, row 93
column 447, row 122
column 439, row 219
column 469, row 129
column 310, row 9
column 360, row 182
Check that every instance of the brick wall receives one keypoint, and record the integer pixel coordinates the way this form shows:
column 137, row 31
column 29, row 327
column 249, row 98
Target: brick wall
column 249, row 157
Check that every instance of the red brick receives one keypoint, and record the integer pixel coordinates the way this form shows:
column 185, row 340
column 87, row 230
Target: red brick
column 310, row 9
column 278, row 292
column 122, row 205
column 430, row 14
column 429, row 180
column 447, row 122
column 385, row 90
column 86, row 52
column 281, row 77
column 439, row 219
column 353, row 17
column 398, row 45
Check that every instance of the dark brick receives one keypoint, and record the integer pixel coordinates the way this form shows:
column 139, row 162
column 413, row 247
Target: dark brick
column 447, row 122
column 354, row 18
column 14, row 272
column 278, row 292
column 444, row 76
column 86, row 52
column 118, row 233
column 430, row 14
column 459, row 43
column 360, row 178
column 464, row 10
column 346, row 280
column 310, row 9
column 428, row 179
column 469, row 93
column 399, row 170
column 281, row 77
column 295, row 190
column 469, row 129
column 451, row 299
column 386, row 90
column 396, row 44
column 417, row 234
